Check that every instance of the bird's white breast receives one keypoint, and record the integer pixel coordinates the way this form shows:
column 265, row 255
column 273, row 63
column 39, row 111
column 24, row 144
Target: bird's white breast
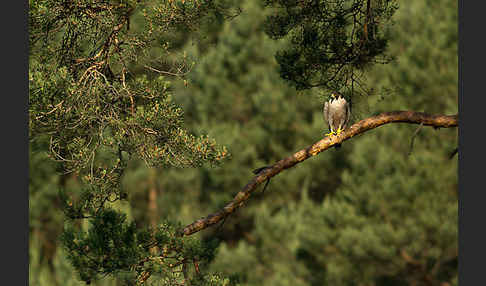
column 338, row 103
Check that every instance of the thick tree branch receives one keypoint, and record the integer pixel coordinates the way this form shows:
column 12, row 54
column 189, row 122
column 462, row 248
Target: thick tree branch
column 437, row 121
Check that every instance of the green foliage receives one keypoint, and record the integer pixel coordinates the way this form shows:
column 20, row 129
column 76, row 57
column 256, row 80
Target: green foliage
column 111, row 245
column 98, row 116
column 369, row 213
column 329, row 43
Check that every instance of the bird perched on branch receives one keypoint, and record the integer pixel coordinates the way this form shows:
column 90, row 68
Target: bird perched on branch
column 337, row 112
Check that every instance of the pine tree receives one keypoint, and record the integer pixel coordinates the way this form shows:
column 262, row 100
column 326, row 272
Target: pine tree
column 98, row 115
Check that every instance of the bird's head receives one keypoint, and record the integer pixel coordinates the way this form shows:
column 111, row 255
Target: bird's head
column 334, row 95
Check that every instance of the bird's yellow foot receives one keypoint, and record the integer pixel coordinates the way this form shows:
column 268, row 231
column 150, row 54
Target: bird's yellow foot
column 339, row 131
column 330, row 133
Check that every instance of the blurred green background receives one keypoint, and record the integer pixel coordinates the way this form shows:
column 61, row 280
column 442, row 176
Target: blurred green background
column 371, row 213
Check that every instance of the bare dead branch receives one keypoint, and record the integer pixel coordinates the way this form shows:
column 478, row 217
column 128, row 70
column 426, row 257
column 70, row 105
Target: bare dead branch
column 166, row 72
column 411, row 117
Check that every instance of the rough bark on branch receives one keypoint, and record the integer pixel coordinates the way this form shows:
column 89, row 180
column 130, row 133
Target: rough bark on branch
column 437, row 121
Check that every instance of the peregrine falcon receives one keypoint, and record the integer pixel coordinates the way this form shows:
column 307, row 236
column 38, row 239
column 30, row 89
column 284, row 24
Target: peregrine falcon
column 337, row 112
